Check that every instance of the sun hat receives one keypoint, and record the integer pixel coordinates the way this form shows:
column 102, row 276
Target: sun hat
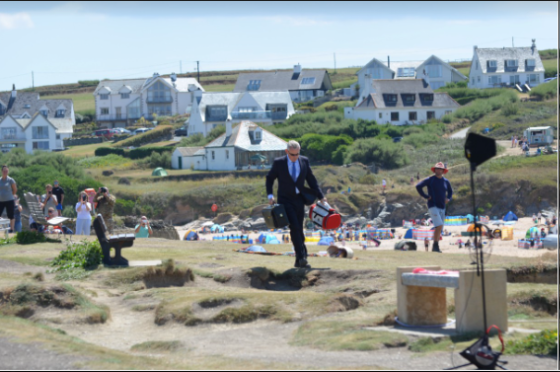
column 440, row 166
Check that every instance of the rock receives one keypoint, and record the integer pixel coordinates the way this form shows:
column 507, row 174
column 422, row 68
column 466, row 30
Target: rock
column 257, row 211
column 258, row 224
column 244, row 214
column 107, row 173
column 160, row 228
column 223, row 218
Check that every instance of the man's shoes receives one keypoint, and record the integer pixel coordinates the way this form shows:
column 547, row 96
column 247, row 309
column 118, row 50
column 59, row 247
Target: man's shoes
column 435, row 248
column 303, row 264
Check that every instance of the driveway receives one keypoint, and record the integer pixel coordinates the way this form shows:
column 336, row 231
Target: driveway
column 460, row 134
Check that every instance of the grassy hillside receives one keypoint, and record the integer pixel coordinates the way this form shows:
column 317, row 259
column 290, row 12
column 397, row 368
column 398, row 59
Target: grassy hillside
column 82, row 101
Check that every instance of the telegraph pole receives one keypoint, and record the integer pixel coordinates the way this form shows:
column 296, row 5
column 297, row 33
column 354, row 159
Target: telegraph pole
column 198, row 71
column 334, row 54
column 32, row 80
column 181, row 67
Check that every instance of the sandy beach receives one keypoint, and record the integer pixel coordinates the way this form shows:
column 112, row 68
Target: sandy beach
column 447, row 245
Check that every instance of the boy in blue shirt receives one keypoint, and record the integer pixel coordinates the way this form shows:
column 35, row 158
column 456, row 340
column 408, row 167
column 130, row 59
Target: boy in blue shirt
column 439, row 194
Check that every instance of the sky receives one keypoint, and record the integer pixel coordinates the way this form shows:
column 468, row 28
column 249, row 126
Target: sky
column 63, row 42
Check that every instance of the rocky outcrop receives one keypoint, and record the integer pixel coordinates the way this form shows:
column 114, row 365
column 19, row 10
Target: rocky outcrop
column 160, row 228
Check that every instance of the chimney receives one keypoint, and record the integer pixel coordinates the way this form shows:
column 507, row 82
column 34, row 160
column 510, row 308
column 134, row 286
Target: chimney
column 534, row 46
column 173, row 77
column 156, row 74
column 475, row 48
column 297, row 69
column 388, row 62
column 14, row 91
column 228, row 126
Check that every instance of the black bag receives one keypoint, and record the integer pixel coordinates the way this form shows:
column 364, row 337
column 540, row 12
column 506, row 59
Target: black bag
column 309, row 196
column 275, row 216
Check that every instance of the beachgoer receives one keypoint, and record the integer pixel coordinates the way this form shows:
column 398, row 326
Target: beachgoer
column 17, row 214
column 439, row 194
column 48, row 200
column 105, row 206
column 143, row 229
column 83, row 222
column 59, row 193
column 8, row 189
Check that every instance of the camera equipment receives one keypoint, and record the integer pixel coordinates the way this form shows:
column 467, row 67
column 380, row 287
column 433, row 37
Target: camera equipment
column 84, row 197
column 479, row 149
column 104, row 190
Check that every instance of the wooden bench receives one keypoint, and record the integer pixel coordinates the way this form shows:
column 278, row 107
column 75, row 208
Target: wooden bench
column 117, row 242
column 36, row 212
column 422, row 301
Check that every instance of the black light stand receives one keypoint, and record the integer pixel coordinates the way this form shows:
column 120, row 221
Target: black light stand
column 478, row 149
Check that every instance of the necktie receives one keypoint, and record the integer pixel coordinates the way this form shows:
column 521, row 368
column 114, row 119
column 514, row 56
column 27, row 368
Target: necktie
column 294, row 171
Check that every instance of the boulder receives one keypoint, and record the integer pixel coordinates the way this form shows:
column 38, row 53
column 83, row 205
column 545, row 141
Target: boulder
column 222, row 218
column 257, row 211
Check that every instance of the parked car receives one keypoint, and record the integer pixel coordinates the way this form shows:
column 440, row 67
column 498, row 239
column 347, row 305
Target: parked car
column 123, row 131
column 108, row 133
column 181, row 132
column 550, row 241
column 140, row 130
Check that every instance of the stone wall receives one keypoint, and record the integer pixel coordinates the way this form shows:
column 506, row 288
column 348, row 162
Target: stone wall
column 82, row 141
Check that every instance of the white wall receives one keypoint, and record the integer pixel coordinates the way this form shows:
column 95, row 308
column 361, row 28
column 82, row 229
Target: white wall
column 421, row 115
column 40, row 121
column 184, row 100
column 369, row 70
column 220, row 162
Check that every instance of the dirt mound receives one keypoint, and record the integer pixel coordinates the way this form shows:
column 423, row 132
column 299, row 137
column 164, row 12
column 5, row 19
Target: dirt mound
column 344, row 302
column 167, row 276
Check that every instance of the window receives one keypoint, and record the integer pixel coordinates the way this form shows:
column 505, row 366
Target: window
column 60, row 113
column 406, row 72
column 394, row 116
column 534, row 78
column 434, row 71
column 258, row 135
column 530, row 62
column 511, row 63
column 514, row 79
column 227, row 154
column 160, row 110
column 492, row 64
column 494, row 80
column 104, row 111
column 44, row 112
column 408, row 99
column 380, row 115
column 159, row 92
column 427, row 97
column 43, row 145
column 125, row 95
column 8, row 133
column 2, row 109
column 246, row 109
column 431, row 115
column 216, row 113
column 472, row 81
column 40, row 132
column 448, row 112
column 478, row 79
column 103, row 96
column 58, row 136
column 390, row 99
column 213, row 155
column 254, row 85
column 412, row 116
column 308, row 81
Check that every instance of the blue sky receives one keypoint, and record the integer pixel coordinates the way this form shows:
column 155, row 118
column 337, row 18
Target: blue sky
column 63, row 42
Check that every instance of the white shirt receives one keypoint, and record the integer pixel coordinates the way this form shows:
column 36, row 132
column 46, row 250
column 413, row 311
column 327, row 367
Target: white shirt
column 83, row 213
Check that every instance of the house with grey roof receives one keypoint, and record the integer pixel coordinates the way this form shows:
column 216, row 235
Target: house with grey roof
column 303, row 85
column 211, row 109
column 434, row 70
column 402, row 102
column 519, row 67
column 28, row 122
column 245, row 146
column 119, row 103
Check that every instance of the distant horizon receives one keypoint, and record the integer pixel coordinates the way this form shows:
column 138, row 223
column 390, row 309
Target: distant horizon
column 63, row 42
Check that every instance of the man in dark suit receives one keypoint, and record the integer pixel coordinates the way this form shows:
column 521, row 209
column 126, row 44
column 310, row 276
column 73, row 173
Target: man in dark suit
column 292, row 171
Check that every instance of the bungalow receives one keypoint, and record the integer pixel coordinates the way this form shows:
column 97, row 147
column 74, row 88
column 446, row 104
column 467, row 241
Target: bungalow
column 434, row 70
column 213, row 109
column 499, row 67
column 303, row 85
column 28, row 122
column 402, row 102
column 246, row 146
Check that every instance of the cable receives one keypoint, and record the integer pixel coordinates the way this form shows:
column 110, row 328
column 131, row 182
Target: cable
column 462, row 315
column 9, row 77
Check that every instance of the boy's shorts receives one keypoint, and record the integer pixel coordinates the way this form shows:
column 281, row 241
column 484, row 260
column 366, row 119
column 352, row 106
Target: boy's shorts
column 59, row 207
column 438, row 216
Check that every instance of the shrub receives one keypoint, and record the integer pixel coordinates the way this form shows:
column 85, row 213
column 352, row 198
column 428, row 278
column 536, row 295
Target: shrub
column 69, row 211
column 321, row 147
column 311, row 109
column 497, row 126
column 84, row 255
column 381, row 151
column 88, row 83
column 144, row 152
column 124, row 181
column 331, row 107
column 545, row 91
column 160, row 160
column 124, row 207
column 215, row 133
column 193, row 140
column 103, row 151
column 510, row 109
column 544, row 343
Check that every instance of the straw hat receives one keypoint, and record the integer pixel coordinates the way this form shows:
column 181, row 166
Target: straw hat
column 440, row 166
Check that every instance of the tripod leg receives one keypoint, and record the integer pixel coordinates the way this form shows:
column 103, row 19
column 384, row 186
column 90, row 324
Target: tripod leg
column 457, row 367
column 501, row 367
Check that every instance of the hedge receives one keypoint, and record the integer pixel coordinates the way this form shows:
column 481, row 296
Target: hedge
column 144, row 152
column 144, row 138
column 102, row 151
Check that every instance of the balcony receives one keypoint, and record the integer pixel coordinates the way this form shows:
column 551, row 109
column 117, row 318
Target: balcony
column 120, row 117
column 254, row 115
column 167, row 99
column 12, row 139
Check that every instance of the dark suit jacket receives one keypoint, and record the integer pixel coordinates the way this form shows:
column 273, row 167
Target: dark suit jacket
column 286, row 185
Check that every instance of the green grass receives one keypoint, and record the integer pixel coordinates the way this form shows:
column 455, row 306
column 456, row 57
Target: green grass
column 219, row 87
column 82, row 101
column 157, row 346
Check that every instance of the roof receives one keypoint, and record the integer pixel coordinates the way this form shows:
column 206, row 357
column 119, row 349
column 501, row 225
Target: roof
column 401, row 87
column 242, row 138
column 63, row 125
column 501, row 54
column 182, row 84
column 282, row 81
column 395, row 65
column 189, row 151
column 539, row 128
column 114, row 85
column 31, row 103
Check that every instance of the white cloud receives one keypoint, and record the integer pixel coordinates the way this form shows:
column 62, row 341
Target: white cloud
column 13, row 21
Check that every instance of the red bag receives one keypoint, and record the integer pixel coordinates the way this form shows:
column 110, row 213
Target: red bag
column 324, row 217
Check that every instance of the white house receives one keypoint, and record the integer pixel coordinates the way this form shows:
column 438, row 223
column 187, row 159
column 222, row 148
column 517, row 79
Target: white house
column 121, row 102
column 213, row 109
column 303, row 85
column 402, row 102
column 28, row 122
column 499, row 67
column 246, row 146
column 434, row 70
